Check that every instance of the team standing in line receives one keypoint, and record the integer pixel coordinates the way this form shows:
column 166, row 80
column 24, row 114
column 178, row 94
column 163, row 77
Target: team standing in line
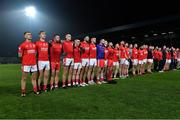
column 87, row 63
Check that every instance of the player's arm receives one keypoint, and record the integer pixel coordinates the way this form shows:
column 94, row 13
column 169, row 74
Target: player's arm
column 20, row 51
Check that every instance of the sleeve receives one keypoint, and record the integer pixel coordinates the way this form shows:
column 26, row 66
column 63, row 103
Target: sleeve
column 20, row 49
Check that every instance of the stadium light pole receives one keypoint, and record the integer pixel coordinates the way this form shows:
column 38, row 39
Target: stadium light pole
column 30, row 13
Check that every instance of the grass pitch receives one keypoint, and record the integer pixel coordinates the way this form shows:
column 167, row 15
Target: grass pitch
column 150, row 96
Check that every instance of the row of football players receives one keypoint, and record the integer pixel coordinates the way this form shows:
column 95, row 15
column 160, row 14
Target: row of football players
column 84, row 63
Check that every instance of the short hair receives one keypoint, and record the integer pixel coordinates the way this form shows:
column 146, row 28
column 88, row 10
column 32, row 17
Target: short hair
column 26, row 32
column 41, row 32
column 56, row 35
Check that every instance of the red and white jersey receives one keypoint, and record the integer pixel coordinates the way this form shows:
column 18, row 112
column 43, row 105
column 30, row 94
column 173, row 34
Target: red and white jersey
column 155, row 54
column 92, row 51
column 68, row 49
column 140, row 55
column 160, row 55
column 28, row 51
column 55, row 52
column 42, row 50
column 178, row 54
column 77, row 55
column 110, row 53
column 134, row 53
column 105, row 53
column 85, row 46
column 168, row 55
column 175, row 55
column 122, row 52
column 127, row 53
column 145, row 53
column 116, row 55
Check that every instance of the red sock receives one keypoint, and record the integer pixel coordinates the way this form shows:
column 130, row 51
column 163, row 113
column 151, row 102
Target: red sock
column 63, row 83
column 44, row 87
column 77, row 81
column 109, row 74
column 73, row 81
column 80, row 81
column 39, row 87
column 69, row 82
column 35, row 88
column 23, row 91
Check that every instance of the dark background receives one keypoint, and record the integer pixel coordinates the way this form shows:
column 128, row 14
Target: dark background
column 82, row 17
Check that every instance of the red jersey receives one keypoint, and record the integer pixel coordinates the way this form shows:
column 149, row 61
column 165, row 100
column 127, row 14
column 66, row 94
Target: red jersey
column 134, row 53
column 28, row 51
column 160, row 55
column 85, row 46
column 92, row 50
column 140, row 54
column 105, row 53
column 116, row 55
column 122, row 51
column 127, row 52
column 168, row 55
column 77, row 55
column 145, row 53
column 55, row 52
column 68, row 49
column 110, row 53
column 42, row 50
column 155, row 54
column 175, row 55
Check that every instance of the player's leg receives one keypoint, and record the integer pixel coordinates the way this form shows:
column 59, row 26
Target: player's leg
column 65, row 71
column 74, row 74
column 34, row 83
column 40, row 79
column 23, row 83
column 70, row 71
column 52, row 79
column 77, row 77
column 46, row 77
column 89, row 74
column 57, row 79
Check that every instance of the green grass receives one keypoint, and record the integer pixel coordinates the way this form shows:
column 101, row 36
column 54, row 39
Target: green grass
column 149, row 96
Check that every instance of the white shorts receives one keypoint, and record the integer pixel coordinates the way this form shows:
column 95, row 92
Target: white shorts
column 68, row 61
column 93, row 62
column 77, row 66
column 150, row 60
column 178, row 60
column 126, row 62
column 122, row 61
column 140, row 62
column 105, row 63
column 85, row 62
column 135, row 61
column 43, row 65
column 144, row 61
column 27, row 68
column 168, row 61
column 115, row 63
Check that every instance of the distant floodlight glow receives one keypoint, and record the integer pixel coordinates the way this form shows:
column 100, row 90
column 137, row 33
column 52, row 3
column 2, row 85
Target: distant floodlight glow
column 30, row 11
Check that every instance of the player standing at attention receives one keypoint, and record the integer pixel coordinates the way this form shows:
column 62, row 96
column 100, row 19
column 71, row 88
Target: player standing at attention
column 134, row 59
column 126, row 69
column 105, row 58
column 27, row 53
column 93, row 61
column 100, row 58
column 178, row 60
column 55, row 52
column 111, row 55
column 149, row 59
column 68, row 61
column 122, row 59
column 140, row 60
column 85, row 59
column 77, row 64
column 115, row 59
column 145, row 53
column 43, row 60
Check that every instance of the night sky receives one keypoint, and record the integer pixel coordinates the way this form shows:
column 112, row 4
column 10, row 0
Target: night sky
column 73, row 16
